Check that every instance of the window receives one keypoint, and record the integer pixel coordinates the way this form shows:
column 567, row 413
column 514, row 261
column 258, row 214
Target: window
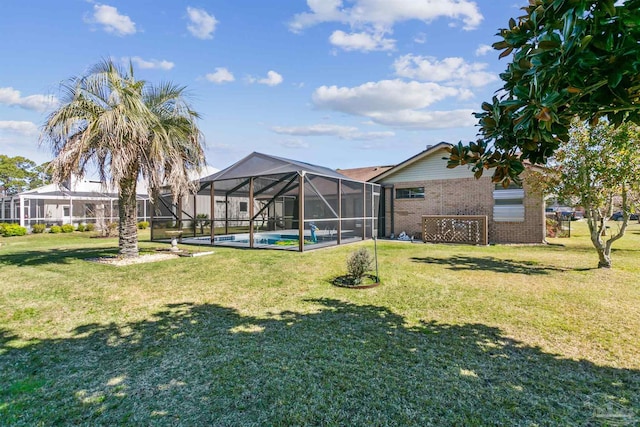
column 243, row 206
column 410, row 193
column 508, row 204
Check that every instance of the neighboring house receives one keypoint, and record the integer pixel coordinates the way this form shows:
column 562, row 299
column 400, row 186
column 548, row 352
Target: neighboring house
column 423, row 186
column 74, row 202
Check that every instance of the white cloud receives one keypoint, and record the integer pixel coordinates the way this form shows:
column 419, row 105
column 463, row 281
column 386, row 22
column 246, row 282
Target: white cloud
column 385, row 95
column 12, row 97
column 396, row 103
column 413, row 119
column 150, row 63
column 19, row 127
column 321, row 11
column 453, row 70
column 363, row 41
column 294, row 143
column 112, row 21
column 221, row 75
column 384, row 14
column 273, row 79
column 314, row 130
column 483, row 49
column 342, row 132
column 420, row 38
column 370, row 136
column 202, row 24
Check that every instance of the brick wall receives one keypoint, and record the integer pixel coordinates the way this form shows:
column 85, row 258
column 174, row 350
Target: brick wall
column 532, row 230
column 463, row 196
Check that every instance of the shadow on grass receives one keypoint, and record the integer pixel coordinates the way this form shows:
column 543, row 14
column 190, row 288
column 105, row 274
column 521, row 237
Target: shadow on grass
column 342, row 365
column 497, row 265
column 55, row 256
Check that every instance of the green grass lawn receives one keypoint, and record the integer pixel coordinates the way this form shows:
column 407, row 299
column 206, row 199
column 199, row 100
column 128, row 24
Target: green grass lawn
column 455, row 335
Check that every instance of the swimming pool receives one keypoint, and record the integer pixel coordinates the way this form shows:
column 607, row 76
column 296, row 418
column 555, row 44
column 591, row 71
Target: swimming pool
column 283, row 239
column 260, row 239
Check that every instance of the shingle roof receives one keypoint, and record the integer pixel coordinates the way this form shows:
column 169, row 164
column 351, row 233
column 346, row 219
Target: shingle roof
column 365, row 173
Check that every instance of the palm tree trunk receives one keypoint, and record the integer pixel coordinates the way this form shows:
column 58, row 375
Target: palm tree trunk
column 128, row 212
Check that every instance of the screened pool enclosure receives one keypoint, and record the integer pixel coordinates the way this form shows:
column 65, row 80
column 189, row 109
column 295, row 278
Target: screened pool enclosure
column 270, row 202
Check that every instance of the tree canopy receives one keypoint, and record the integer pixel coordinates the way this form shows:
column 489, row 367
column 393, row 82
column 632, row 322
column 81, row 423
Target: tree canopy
column 129, row 129
column 569, row 58
column 597, row 169
column 19, row 174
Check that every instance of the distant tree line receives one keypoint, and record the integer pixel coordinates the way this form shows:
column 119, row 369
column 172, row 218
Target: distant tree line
column 18, row 174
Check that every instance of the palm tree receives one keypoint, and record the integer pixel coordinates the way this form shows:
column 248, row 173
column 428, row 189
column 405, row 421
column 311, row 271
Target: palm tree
column 129, row 129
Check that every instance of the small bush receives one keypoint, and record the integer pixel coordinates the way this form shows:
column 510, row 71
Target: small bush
column 55, row 229
column 2, row 226
column 81, row 227
column 110, row 229
column 358, row 263
column 143, row 225
column 67, row 228
column 38, row 228
column 90, row 227
column 201, row 221
column 9, row 230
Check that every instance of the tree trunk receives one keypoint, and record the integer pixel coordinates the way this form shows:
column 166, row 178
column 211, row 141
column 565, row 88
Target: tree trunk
column 596, row 230
column 604, row 258
column 128, row 213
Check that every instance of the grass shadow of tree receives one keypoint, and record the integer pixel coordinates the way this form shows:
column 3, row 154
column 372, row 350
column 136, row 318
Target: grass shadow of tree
column 345, row 364
column 55, row 256
column 487, row 263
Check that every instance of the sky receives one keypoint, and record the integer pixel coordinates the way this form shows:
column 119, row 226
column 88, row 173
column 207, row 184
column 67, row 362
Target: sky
column 336, row 83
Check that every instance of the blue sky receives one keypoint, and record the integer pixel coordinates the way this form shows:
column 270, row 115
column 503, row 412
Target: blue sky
column 338, row 83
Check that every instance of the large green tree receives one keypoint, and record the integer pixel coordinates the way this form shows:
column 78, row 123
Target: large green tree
column 19, row 174
column 568, row 58
column 129, row 129
column 597, row 169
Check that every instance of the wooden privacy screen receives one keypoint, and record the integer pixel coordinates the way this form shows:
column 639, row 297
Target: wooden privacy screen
column 470, row 229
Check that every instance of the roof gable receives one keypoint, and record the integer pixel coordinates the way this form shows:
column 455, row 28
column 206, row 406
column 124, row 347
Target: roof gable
column 258, row 164
column 424, row 166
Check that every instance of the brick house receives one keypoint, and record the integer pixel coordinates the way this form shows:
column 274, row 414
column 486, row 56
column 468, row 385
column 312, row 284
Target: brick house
column 423, row 186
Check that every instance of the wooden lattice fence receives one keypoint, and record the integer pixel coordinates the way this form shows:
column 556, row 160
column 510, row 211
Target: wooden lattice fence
column 470, row 229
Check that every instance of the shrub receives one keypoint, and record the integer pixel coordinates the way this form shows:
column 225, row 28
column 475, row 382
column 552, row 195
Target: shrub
column 552, row 227
column 67, row 228
column 143, row 225
column 81, row 227
column 38, row 228
column 55, row 229
column 9, row 230
column 2, row 226
column 90, row 227
column 110, row 229
column 201, row 221
column 358, row 263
